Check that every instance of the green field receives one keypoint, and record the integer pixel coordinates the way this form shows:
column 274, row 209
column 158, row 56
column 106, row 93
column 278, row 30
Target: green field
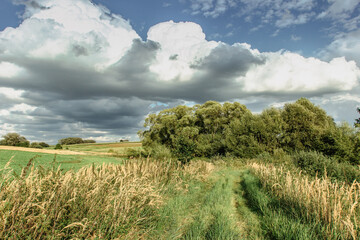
column 20, row 159
column 118, row 148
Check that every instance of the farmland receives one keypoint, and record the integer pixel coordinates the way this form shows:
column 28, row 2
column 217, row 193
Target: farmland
column 75, row 157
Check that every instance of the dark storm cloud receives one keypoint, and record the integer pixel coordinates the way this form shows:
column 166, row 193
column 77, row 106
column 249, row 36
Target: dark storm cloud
column 80, row 50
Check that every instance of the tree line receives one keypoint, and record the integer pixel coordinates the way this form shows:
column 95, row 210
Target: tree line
column 232, row 129
column 15, row 139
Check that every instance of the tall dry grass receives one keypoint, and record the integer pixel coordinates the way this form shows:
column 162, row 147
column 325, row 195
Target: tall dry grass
column 111, row 201
column 334, row 205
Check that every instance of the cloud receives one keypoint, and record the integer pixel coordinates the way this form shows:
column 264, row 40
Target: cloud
column 291, row 73
column 347, row 45
column 282, row 13
column 98, row 79
column 211, row 8
column 340, row 9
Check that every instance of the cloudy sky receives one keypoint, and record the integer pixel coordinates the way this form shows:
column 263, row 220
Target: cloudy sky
column 95, row 69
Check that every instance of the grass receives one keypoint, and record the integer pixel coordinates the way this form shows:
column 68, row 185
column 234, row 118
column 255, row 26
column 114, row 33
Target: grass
column 107, row 197
column 207, row 209
column 104, row 202
column 118, row 148
column 332, row 208
column 66, row 162
column 276, row 220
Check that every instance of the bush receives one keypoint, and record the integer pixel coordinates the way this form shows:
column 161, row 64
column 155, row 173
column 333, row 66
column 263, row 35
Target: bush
column 136, row 153
column 58, row 146
column 35, row 145
column 14, row 139
column 71, row 140
column 43, row 144
column 23, row 144
column 316, row 164
column 89, row 141
column 158, row 151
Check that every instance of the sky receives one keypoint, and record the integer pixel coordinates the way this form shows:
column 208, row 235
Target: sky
column 96, row 69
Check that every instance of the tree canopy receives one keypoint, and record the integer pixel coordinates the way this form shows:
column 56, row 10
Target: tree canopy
column 214, row 129
column 14, row 139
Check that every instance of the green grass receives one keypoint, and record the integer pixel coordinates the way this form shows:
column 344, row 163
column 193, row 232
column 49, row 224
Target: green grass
column 277, row 219
column 119, row 148
column 207, row 210
column 66, row 162
column 228, row 203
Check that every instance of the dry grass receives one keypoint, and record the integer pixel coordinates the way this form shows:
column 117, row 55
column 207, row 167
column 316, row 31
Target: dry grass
column 112, row 201
column 334, row 205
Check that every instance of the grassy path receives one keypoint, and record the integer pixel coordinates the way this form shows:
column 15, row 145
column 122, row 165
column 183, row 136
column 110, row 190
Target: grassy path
column 231, row 204
column 211, row 209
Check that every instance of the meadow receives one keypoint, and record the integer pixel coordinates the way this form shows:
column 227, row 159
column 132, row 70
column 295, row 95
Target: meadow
column 110, row 197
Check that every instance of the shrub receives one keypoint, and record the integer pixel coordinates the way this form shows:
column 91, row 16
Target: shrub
column 14, row 139
column 136, row 153
column 43, row 144
column 23, row 144
column 58, row 146
column 71, row 140
column 158, row 151
column 314, row 163
column 35, row 145
column 89, row 141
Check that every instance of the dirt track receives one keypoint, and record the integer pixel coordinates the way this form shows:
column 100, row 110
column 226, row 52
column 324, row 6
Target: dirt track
column 61, row 152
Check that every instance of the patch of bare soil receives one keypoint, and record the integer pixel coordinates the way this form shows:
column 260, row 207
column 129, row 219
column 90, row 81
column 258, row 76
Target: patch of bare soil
column 50, row 151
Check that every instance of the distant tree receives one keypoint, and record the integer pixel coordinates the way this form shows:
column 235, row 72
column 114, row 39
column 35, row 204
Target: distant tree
column 35, row 145
column 357, row 121
column 14, row 139
column 89, row 141
column 58, row 146
column 71, row 140
column 43, row 144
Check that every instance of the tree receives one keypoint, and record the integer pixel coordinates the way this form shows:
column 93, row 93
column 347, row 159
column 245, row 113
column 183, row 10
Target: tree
column 14, row 139
column 357, row 121
column 58, row 146
column 71, row 140
column 305, row 123
column 35, row 145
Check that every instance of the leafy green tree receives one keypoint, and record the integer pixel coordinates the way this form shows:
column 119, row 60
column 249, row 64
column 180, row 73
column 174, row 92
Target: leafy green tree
column 35, row 145
column 305, row 123
column 242, row 137
column 70, row 141
column 357, row 121
column 44, row 144
column 14, row 139
column 272, row 129
column 58, row 146
column 217, row 129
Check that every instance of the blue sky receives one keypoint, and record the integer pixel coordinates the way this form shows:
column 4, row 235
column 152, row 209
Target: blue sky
column 96, row 69
column 230, row 26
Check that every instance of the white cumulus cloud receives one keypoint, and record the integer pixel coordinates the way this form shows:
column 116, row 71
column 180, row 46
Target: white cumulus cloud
column 291, row 72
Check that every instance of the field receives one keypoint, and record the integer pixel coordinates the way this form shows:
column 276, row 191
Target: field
column 104, row 195
column 117, row 148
